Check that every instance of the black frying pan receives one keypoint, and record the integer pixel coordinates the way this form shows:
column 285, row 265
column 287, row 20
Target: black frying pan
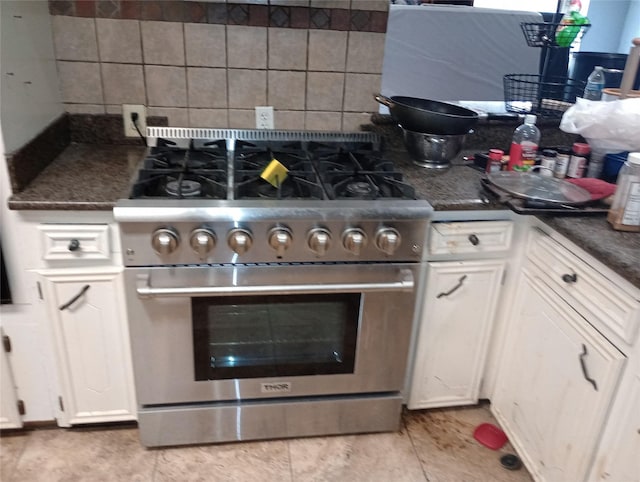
column 432, row 116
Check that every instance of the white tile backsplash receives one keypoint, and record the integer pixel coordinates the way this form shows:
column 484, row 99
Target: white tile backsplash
column 212, row 74
column 163, row 43
column 205, row 45
column 166, row 86
column 119, row 40
column 80, row 82
column 207, row 87
column 74, row 38
column 123, row 84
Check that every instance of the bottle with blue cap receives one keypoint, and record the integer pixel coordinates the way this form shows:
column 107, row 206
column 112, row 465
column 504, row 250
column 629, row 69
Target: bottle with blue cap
column 595, row 84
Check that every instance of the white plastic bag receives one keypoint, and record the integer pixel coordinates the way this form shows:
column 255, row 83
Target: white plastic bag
column 607, row 126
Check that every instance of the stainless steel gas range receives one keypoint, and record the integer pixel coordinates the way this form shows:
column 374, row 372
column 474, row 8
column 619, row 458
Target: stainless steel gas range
column 269, row 299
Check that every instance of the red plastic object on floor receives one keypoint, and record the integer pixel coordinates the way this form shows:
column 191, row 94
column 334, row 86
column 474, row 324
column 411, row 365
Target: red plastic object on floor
column 490, row 436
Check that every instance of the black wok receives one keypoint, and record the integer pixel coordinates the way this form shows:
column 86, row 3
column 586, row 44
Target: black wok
column 434, row 117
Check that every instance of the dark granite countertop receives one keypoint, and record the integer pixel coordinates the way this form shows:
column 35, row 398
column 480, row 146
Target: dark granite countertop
column 83, row 177
column 95, row 176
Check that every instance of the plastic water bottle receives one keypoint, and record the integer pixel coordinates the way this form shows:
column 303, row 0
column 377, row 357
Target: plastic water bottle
column 595, row 84
column 524, row 146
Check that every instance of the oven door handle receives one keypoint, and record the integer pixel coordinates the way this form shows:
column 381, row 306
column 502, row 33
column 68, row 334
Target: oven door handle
column 404, row 282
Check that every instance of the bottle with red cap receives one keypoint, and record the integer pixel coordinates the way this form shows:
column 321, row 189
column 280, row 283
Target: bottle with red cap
column 494, row 163
column 524, row 146
column 579, row 160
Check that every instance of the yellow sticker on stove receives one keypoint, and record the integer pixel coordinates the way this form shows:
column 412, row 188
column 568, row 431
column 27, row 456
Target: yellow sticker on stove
column 275, row 173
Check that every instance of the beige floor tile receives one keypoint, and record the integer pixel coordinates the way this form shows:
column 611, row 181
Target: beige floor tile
column 11, row 447
column 361, row 458
column 443, row 440
column 85, row 454
column 244, row 461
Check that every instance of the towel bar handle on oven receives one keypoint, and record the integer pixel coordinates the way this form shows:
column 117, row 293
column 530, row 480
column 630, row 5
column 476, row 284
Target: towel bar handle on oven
column 403, row 282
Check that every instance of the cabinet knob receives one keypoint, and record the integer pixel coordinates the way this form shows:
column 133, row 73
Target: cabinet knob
column 74, row 245
column 570, row 278
column 473, row 239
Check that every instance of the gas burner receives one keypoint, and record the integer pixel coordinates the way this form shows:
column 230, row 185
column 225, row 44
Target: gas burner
column 183, row 188
column 331, row 167
column 267, row 191
column 297, row 185
column 360, row 189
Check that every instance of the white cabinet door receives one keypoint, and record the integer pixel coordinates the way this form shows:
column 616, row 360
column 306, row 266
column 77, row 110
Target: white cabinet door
column 617, row 459
column 454, row 332
column 9, row 415
column 92, row 345
column 557, row 379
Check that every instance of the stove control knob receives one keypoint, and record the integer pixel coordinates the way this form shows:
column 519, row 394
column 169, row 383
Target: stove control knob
column 353, row 240
column 388, row 240
column 165, row 241
column 319, row 240
column 202, row 241
column 280, row 239
column 240, row 240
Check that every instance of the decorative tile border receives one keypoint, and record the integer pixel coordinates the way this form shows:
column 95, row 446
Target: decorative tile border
column 249, row 14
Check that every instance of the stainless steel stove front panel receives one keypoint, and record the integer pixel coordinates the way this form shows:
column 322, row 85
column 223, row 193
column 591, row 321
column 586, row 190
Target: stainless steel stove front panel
column 234, row 421
column 137, row 224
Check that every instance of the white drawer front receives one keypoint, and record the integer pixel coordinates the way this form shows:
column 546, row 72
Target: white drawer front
column 470, row 237
column 75, row 242
column 612, row 307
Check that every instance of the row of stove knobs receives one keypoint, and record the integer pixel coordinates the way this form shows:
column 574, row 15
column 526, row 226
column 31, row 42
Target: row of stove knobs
column 203, row 240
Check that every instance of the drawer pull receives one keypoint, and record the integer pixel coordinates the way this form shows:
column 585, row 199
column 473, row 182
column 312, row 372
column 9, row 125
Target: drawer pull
column 583, row 364
column 473, row 239
column 74, row 245
column 570, row 278
column 75, row 298
column 447, row 293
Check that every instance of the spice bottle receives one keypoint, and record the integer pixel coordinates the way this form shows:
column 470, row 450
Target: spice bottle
column 562, row 162
column 524, row 146
column 548, row 162
column 624, row 214
column 494, row 163
column 579, row 159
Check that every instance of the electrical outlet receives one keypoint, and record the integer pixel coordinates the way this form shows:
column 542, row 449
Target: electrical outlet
column 129, row 127
column 264, row 117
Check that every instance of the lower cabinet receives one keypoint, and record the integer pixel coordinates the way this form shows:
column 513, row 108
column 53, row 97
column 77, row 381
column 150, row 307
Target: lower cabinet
column 9, row 412
column 617, row 457
column 558, row 377
column 454, row 332
column 90, row 335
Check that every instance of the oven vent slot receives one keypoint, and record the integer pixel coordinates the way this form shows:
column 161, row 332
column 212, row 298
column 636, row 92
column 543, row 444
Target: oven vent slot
column 154, row 133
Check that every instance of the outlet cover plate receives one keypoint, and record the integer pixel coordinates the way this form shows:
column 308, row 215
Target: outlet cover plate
column 129, row 127
column 264, row 117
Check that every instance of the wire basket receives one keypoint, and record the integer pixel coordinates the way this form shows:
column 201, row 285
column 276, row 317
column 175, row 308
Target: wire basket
column 549, row 97
column 546, row 34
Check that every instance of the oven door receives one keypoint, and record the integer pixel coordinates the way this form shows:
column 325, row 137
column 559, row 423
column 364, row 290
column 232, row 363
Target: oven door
column 214, row 333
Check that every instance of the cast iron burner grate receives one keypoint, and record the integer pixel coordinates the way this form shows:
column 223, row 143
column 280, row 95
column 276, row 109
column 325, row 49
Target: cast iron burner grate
column 316, row 170
column 180, row 185
column 361, row 175
column 173, row 172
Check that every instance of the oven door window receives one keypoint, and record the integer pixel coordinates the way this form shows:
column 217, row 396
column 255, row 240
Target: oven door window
column 274, row 336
